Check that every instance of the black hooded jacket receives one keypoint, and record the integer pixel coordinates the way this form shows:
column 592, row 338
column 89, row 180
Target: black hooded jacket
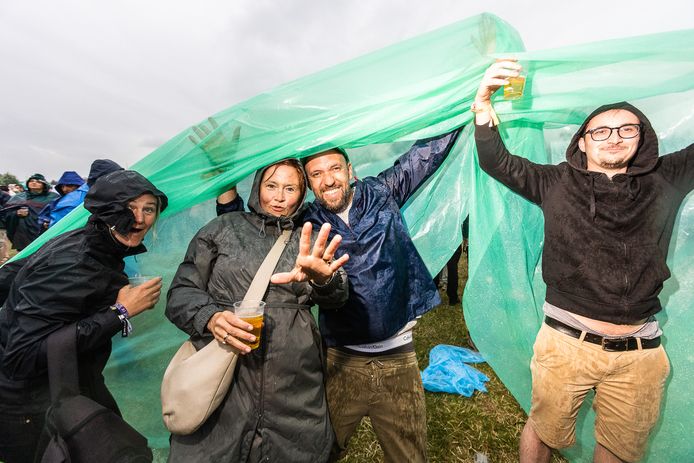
column 606, row 240
column 73, row 278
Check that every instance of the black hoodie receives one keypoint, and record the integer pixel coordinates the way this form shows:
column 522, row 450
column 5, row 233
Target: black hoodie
column 606, row 240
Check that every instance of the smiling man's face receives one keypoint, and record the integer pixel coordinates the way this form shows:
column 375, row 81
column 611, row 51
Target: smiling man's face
column 612, row 155
column 329, row 174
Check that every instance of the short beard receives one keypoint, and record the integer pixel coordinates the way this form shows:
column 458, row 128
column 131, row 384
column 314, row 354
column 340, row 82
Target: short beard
column 614, row 165
column 342, row 205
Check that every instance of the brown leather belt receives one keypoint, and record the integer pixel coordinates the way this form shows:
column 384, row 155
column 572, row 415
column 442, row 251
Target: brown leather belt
column 608, row 344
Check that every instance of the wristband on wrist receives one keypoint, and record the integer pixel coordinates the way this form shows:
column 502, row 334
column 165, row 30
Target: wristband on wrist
column 121, row 309
column 317, row 285
column 124, row 317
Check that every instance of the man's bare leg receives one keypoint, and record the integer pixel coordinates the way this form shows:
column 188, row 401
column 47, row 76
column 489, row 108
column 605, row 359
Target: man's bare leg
column 602, row 455
column 532, row 449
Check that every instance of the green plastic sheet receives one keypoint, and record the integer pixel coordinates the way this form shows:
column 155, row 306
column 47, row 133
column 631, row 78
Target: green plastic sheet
column 376, row 106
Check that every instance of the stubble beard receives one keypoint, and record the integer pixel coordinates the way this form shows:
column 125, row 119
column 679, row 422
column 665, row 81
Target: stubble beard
column 614, row 163
column 341, row 205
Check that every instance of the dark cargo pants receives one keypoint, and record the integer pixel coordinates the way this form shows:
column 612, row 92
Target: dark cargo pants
column 387, row 389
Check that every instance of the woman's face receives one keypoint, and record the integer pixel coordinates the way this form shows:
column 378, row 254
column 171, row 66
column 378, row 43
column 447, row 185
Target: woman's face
column 280, row 190
column 35, row 186
column 144, row 208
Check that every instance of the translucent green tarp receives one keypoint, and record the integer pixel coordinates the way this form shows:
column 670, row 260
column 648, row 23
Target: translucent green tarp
column 388, row 99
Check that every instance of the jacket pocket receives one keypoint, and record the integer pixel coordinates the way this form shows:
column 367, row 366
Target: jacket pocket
column 647, row 270
column 601, row 275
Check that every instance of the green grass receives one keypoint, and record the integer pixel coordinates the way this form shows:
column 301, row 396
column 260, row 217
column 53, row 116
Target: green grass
column 457, row 427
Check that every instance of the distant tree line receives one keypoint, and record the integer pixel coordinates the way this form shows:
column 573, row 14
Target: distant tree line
column 8, row 178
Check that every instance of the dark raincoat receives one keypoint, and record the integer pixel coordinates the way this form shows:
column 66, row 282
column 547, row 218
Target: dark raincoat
column 606, row 240
column 276, row 407
column 73, row 278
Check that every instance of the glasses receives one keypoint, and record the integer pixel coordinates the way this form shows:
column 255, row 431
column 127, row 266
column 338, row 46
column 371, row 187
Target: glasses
column 626, row 131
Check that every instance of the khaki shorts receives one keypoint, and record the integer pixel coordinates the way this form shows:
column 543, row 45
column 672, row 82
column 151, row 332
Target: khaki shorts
column 628, row 392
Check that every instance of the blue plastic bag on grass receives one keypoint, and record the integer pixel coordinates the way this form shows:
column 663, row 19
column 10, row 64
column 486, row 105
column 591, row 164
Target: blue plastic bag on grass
column 448, row 372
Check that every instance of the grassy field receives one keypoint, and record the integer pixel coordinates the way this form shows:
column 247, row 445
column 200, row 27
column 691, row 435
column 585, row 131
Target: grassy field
column 458, row 427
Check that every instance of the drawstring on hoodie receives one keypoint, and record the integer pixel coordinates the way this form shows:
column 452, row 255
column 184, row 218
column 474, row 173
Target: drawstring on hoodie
column 633, row 188
column 278, row 221
column 592, row 197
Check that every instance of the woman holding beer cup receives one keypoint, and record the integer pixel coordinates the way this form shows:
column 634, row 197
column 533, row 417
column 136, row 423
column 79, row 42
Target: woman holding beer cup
column 275, row 409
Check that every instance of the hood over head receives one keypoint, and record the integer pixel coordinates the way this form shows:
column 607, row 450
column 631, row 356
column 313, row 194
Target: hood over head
column 69, row 177
column 40, row 178
column 108, row 199
column 646, row 156
column 254, row 198
column 101, row 167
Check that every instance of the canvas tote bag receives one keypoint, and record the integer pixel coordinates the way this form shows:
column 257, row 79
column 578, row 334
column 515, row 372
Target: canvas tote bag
column 196, row 381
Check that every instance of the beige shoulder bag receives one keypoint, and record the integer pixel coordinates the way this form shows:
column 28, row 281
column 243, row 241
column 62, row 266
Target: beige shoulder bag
column 196, row 382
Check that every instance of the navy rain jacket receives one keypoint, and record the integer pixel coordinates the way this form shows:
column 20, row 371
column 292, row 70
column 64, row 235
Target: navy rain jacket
column 389, row 285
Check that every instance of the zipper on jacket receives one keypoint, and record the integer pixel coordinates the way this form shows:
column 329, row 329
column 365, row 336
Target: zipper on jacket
column 261, row 395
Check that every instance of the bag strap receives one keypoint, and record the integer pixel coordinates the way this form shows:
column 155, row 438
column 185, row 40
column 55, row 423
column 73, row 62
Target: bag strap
column 261, row 280
column 63, row 377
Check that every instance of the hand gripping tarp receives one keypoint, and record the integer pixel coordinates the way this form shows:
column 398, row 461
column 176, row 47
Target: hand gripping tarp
column 389, row 98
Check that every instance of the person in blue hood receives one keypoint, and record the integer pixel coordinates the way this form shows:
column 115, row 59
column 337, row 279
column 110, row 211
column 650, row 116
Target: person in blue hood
column 56, row 209
column 73, row 190
column 609, row 212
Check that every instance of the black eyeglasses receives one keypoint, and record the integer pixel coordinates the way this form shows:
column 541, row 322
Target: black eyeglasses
column 625, row 131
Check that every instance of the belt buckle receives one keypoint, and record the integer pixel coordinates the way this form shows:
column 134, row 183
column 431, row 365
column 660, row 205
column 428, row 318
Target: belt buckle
column 615, row 344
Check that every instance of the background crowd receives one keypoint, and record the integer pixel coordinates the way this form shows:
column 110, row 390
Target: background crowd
column 29, row 209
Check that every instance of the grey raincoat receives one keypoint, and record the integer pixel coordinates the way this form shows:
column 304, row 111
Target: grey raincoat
column 276, row 407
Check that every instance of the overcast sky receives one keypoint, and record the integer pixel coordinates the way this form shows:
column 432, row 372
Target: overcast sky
column 86, row 79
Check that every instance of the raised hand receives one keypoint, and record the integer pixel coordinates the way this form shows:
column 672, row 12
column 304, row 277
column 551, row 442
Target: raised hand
column 217, row 147
column 495, row 77
column 315, row 264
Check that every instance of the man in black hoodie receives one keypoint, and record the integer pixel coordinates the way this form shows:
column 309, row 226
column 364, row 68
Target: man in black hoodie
column 609, row 214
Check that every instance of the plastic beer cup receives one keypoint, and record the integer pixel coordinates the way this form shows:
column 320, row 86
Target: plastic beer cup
column 137, row 280
column 514, row 89
column 252, row 312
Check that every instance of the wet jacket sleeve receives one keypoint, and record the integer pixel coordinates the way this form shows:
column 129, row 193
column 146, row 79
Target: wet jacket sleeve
column 526, row 178
column 678, row 168
column 52, row 296
column 45, row 215
column 188, row 304
column 234, row 205
column 65, row 205
column 333, row 294
column 417, row 165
